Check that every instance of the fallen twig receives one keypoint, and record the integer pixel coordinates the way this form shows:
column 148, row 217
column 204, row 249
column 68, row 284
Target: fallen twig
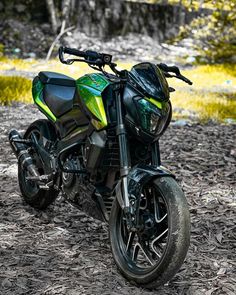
column 62, row 32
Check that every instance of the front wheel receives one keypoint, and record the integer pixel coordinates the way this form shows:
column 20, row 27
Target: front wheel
column 151, row 256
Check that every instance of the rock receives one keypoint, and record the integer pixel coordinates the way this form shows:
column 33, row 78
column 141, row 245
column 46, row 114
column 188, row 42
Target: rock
column 190, row 59
column 6, row 283
column 16, row 50
column 181, row 122
column 32, row 55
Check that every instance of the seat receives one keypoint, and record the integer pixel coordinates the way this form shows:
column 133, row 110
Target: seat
column 56, row 79
column 59, row 92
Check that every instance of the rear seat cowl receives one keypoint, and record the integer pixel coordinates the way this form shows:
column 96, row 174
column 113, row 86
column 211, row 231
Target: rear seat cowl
column 56, row 79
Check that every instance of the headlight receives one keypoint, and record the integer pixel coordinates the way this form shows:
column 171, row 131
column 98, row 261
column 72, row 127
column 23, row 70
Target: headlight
column 154, row 121
column 152, row 117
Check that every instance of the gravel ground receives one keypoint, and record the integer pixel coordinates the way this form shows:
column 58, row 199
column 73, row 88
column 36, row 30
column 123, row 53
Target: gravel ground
column 63, row 251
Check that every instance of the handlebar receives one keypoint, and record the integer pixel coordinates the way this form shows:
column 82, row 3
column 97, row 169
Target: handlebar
column 91, row 57
column 94, row 58
column 173, row 69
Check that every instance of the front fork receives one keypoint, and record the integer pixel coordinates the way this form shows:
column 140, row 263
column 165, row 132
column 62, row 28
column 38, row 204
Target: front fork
column 124, row 154
column 129, row 203
column 156, row 157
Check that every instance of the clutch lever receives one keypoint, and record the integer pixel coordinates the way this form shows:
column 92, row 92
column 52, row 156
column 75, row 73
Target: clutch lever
column 62, row 58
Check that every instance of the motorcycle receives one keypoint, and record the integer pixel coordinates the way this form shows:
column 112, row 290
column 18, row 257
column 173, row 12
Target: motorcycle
column 99, row 146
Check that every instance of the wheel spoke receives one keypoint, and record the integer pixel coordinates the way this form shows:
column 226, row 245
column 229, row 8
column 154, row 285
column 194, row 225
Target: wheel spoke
column 135, row 252
column 146, row 246
column 130, row 241
column 158, row 219
column 147, row 254
column 155, row 240
column 137, row 248
column 161, row 219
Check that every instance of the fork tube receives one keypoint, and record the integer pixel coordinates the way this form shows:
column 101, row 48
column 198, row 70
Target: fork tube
column 156, row 157
column 124, row 152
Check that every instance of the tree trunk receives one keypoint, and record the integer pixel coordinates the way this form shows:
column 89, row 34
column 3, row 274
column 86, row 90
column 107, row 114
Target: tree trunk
column 65, row 7
column 52, row 13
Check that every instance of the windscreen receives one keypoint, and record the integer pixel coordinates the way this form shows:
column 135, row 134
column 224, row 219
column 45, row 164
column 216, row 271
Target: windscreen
column 151, row 79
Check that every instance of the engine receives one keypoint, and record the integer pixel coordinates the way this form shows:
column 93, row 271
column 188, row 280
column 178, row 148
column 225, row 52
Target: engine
column 78, row 190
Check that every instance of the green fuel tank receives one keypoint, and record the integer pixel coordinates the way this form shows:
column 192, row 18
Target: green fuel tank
column 90, row 88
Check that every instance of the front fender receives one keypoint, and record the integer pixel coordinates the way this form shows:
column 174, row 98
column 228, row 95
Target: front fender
column 141, row 174
column 138, row 176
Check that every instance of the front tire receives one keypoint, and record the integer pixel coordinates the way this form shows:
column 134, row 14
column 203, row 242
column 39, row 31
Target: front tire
column 31, row 193
column 153, row 255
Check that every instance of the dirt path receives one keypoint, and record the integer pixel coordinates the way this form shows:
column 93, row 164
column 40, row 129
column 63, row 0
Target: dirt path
column 62, row 251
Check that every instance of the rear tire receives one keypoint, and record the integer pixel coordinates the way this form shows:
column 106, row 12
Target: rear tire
column 35, row 197
column 163, row 247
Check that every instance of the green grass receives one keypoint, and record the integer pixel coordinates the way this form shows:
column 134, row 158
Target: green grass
column 14, row 89
column 212, row 95
column 206, row 105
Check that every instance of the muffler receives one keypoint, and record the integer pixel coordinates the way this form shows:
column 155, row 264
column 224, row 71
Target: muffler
column 20, row 148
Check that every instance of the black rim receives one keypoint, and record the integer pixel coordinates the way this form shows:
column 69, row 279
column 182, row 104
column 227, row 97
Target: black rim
column 144, row 250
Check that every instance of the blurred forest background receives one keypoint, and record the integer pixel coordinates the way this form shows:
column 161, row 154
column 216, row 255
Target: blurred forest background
column 199, row 36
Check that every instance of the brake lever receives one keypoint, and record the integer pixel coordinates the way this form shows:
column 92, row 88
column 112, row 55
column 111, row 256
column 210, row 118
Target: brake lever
column 61, row 55
column 180, row 77
column 186, row 80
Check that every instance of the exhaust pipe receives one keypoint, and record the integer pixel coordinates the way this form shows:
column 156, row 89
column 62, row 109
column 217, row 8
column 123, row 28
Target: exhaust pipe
column 20, row 149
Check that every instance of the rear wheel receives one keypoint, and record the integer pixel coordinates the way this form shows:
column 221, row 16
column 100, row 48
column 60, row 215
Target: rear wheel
column 151, row 256
column 31, row 193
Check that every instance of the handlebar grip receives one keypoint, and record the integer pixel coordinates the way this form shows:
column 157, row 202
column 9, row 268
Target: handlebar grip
column 92, row 54
column 172, row 69
column 74, row 51
column 88, row 54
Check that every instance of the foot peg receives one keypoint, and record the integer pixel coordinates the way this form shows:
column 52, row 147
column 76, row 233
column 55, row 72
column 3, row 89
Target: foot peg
column 44, row 181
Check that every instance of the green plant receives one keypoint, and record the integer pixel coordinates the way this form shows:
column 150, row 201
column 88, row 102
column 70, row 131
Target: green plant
column 14, row 89
column 215, row 34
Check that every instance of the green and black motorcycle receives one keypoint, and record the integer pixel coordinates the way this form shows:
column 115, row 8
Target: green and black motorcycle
column 99, row 147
